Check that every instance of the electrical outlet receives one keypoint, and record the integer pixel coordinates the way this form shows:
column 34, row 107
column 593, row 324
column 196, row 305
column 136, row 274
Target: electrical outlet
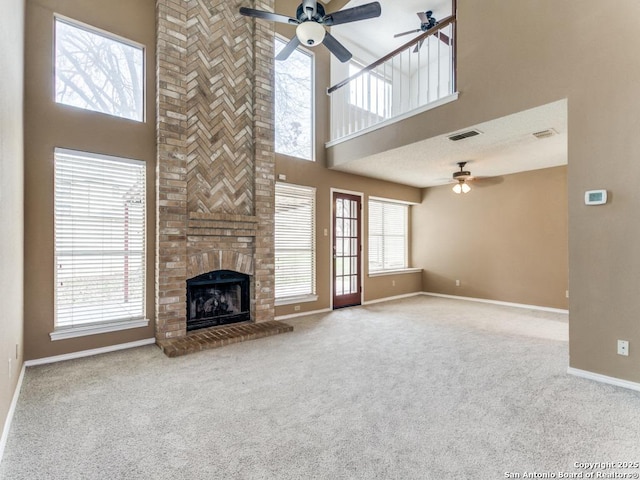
column 457, row 283
column 623, row 348
column 566, row 293
column 296, row 308
column 393, row 283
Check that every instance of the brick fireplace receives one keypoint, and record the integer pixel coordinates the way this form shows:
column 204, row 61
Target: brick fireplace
column 215, row 170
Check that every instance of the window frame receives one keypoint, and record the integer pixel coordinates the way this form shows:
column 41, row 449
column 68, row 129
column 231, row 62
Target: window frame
column 390, row 271
column 312, row 56
column 388, row 83
column 311, row 296
column 111, row 36
column 62, row 332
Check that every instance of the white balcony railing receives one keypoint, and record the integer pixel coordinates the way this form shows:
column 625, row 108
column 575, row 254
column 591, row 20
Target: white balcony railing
column 407, row 80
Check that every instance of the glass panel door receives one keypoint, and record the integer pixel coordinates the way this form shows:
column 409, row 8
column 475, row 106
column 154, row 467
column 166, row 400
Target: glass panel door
column 347, row 250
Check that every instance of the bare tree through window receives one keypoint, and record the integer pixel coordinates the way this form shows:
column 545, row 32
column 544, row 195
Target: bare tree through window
column 97, row 72
column 294, row 104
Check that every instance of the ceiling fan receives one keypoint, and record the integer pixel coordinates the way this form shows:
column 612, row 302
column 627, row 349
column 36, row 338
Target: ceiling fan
column 462, row 177
column 427, row 22
column 311, row 19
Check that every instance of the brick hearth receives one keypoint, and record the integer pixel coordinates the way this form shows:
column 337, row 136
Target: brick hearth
column 215, row 337
column 215, row 174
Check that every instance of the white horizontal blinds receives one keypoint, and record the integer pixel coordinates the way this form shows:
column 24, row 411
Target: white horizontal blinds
column 295, row 242
column 387, row 235
column 99, row 238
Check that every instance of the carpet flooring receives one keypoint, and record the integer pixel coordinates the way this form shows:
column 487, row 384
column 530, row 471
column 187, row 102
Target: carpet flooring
column 421, row 388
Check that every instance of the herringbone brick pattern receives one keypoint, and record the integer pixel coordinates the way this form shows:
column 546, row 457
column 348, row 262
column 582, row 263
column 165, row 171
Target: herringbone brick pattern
column 216, row 166
column 220, row 169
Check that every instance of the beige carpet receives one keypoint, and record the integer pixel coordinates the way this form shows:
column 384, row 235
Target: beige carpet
column 424, row 388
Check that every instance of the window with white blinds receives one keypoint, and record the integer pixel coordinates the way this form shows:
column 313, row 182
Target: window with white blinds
column 99, row 239
column 295, row 241
column 387, row 235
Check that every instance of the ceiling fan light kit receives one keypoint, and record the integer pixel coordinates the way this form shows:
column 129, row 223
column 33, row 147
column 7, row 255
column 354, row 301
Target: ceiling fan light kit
column 462, row 176
column 311, row 20
column 461, row 187
column 310, row 33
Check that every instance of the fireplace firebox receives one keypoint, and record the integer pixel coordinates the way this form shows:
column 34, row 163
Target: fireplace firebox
column 217, row 298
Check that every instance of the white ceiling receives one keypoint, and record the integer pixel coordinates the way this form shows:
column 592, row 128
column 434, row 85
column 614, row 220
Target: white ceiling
column 505, row 146
column 376, row 34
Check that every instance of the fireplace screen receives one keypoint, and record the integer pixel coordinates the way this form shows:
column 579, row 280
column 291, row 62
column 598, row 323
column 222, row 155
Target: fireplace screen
column 217, row 298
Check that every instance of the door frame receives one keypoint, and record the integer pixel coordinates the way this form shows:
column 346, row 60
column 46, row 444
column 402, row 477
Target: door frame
column 333, row 190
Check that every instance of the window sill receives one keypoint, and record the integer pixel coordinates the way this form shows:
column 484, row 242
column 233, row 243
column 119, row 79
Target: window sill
column 297, row 299
column 82, row 331
column 400, row 271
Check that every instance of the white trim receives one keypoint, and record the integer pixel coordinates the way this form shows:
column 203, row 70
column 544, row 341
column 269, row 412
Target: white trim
column 392, row 200
column 348, row 192
column 498, row 302
column 83, row 331
column 416, row 111
column 98, row 31
column 618, row 382
column 297, row 299
column 12, row 409
column 395, row 297
column 302, row 314
column 89, row 353
column 400, row 271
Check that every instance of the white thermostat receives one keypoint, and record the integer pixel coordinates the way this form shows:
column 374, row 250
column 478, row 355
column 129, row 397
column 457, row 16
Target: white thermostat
column 595, row 197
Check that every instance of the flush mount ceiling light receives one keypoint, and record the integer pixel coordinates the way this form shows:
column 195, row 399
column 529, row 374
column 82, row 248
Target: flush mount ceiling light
column 461, row 177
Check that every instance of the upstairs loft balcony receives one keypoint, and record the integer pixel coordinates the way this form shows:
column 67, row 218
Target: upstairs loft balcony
column 417, row 76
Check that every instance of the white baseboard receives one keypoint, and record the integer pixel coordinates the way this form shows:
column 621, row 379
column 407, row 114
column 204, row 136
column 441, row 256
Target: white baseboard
column 89, row 353
column 302, row 314
column 618, row 382
column 388, row 299
column 498, row 302
column 12, row 409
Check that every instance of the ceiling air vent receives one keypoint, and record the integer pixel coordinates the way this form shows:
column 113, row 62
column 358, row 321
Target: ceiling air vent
column 463, row 135
column 549, row 132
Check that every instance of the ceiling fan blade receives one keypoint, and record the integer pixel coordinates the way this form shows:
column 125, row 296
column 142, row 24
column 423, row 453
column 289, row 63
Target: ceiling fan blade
column 418, row 46
column 363, row 12
column 407, row 33
column 288, row 48
column 274, row 17
column 337, row 48
column 423, row 17
column 445, row 38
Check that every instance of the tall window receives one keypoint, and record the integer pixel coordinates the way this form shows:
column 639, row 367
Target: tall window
column 294, row 101
column 97, row 71
column 371, row 91
column 99, row 239
column 387, row 235
column 295, row 242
